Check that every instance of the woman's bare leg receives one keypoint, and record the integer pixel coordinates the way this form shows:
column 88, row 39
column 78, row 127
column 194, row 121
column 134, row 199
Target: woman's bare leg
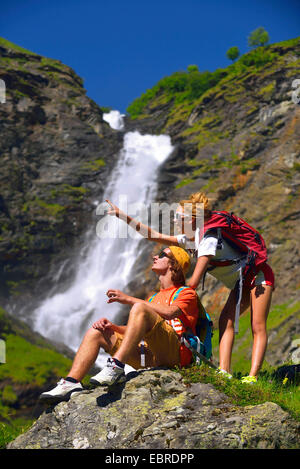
column 261, row 297
column 226, row 327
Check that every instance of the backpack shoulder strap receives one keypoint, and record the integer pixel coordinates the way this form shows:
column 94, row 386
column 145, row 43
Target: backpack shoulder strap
column 151, row 298
column 176, row 293
column 173, row 296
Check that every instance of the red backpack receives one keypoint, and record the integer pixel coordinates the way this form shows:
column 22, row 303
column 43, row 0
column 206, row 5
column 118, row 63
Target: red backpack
column 242, row 237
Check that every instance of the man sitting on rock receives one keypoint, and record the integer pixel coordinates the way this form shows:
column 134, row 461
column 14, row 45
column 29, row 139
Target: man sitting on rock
column 152, row 332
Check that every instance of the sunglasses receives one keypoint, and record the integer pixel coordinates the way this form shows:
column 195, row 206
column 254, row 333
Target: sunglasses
column 162, row 254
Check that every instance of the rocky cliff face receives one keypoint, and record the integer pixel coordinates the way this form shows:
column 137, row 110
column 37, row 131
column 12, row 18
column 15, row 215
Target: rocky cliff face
column 156, row 410
column 56, row 153
column 240, row 143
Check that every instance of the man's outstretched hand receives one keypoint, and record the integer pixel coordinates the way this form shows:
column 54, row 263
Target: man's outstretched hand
column 119, row 296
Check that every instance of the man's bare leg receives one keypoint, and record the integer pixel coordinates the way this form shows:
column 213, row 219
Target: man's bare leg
column 89, row 350
column 141, row 320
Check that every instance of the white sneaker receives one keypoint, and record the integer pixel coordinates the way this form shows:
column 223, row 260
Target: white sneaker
column 111, row 374
column 61, row 392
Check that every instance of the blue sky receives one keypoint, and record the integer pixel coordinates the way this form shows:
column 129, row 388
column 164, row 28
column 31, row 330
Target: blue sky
column 121, row 48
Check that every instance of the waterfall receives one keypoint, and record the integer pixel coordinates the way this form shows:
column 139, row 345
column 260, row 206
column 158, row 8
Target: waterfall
column 115, row 120
column 113, row 248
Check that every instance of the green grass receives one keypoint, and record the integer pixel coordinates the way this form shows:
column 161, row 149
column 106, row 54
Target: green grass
column 10, row 45
column 180, row 86
column 52, row 210
column 74, row 193
column 269, row 388
column 9, row 432
column 28, row 366
column 184, row 182
column 94, row 165
column 279, row 385
column 280, row 312
column 27, row 363
column 243, row 341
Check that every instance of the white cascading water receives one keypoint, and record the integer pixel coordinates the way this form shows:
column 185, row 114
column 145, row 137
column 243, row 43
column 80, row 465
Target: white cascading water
column 111, row 253
column 115, row 120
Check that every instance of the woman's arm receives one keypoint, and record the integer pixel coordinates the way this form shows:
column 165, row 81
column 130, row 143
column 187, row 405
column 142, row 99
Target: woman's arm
column 144, row 230
column 199, row 270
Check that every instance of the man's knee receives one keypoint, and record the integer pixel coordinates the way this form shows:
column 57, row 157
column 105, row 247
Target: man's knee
column 104, row 339
column 145, row 313
column 143, row 316
column 139, row 309
column 93, row 334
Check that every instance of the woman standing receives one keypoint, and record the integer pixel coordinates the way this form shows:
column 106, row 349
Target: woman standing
column 255, row 290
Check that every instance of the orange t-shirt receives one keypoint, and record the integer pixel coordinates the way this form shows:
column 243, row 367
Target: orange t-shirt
column 187, row 301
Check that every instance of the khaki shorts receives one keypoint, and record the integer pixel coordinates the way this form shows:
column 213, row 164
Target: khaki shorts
column 161, row 346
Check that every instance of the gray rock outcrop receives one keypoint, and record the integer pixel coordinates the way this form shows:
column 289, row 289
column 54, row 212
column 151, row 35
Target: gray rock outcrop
column 154, row 409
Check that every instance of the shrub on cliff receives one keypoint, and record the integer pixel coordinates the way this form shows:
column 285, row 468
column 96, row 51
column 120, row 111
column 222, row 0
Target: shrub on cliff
column 233, row 53
column 192, row 84
column 258, row 37
column 179, row 86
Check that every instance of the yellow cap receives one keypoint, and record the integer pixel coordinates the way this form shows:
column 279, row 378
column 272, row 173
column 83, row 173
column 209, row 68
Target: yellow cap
column 182, row 257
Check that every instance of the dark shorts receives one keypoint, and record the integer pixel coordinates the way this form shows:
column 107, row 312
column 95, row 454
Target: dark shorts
column 265, row 276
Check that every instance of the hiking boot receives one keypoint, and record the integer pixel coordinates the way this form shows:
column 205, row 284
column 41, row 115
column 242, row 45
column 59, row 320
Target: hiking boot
column 111, row 374
column 249, row 380
column 224, row 373
column 61, row 392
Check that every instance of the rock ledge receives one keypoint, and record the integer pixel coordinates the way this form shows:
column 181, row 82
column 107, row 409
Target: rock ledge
column 154, row 409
